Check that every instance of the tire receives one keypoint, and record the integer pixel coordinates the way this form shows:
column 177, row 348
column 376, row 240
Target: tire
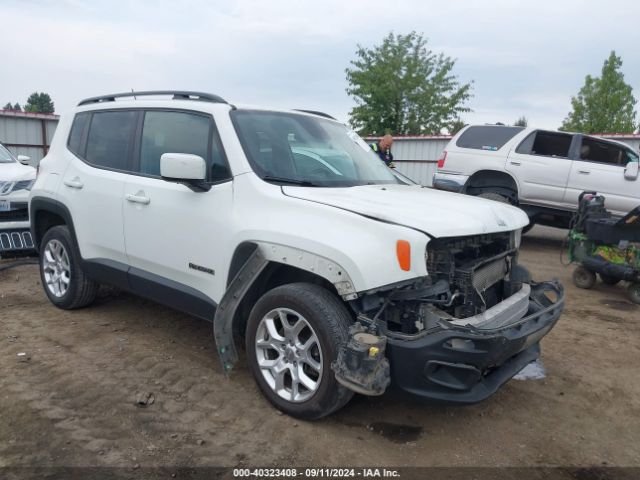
column 496, row 197
column 583, row 278
column 606, row 279
column 633, row 290
column 63, row 279
column 317, row 312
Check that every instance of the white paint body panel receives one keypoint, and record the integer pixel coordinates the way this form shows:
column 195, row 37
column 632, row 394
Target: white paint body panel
column 355, row 229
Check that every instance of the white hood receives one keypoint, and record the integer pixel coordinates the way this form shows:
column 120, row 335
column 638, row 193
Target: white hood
column 14, row 172
column 438, row 213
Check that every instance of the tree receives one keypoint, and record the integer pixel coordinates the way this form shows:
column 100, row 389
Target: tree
column 456, row 126
column 521, row 122
column 402, row 87
column 8, row 106
column 17, row 107
column 604, row 104
column 39, row 103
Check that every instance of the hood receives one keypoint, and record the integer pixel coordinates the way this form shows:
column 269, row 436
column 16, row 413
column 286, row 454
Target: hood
column 437, row 213
column 14, row 171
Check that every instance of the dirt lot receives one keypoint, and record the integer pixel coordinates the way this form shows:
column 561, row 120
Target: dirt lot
column 73, row 402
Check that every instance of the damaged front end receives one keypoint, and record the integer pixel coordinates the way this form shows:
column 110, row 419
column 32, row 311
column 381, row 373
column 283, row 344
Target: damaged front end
column 457, row 335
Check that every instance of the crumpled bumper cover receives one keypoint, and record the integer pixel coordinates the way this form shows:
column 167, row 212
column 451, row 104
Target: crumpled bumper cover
column 466, row 364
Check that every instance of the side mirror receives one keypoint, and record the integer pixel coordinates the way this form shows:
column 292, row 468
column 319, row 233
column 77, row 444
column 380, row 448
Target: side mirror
column 631, row 171
column 23, row 159
column 190, row 170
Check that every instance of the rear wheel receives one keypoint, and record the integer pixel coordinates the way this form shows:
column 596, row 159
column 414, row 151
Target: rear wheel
column 63, row 279
column 294, row 333
column 583, row 278
column 634, row 292
column 609, row 280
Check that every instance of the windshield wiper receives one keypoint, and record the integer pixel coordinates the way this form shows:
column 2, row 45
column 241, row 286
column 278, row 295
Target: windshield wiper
column 292, row 181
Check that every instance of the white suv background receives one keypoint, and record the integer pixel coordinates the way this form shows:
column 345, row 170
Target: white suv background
column 16, row 179
column 542, row 171
column 284, row 227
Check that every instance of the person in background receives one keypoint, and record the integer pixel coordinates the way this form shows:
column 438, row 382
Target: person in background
column 383, row 150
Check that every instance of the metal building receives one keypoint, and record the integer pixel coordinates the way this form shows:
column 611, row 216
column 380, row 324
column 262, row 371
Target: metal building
column 27, row 133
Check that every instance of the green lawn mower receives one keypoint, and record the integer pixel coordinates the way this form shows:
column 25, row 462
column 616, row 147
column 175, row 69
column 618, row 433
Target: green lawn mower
column 605, row 245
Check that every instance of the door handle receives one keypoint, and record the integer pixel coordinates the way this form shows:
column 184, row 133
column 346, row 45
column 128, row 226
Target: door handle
column 74, row 183
column 512, row 162
column 584, row 172
column 138, row 199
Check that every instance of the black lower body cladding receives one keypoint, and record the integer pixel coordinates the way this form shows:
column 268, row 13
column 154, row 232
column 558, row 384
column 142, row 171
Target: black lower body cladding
column 466, row 364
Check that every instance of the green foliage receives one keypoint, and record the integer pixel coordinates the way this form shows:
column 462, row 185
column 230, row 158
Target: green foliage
column 401, row 87
column 17, row 107
column 8, row 106
column 456, row 126
column 604, row 104
column 521, row 122
column 39, row 103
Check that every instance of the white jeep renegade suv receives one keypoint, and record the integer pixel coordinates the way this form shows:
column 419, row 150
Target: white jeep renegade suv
column 284, row 227
column 541, row 171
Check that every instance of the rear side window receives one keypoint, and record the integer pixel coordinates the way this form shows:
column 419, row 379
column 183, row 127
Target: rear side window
column 80, row 122
column 593, row 150
column 489, row 137
column 548, row 144
column 180, row 132
column 109, row 139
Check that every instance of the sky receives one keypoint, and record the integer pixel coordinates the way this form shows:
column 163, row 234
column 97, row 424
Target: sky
column 524, row 58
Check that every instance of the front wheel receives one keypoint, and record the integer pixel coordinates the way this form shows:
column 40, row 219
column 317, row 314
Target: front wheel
column 583, row 278
column 63, row 279
column 294, row 333
column 633, row 290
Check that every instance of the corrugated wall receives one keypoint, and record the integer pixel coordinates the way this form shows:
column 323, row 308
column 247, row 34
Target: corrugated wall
column 417, row 158
column 23, row 133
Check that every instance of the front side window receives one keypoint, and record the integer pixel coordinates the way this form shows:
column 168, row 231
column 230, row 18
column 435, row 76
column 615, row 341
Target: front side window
column 109, row 139
column 172, row 132
column 5, row 155
column 307, row 150
column 593, row 150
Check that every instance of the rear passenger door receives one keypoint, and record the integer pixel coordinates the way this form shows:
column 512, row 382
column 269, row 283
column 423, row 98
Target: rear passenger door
column 541, row 163
column 600, row 167
column 175, row 237
column 99, row 146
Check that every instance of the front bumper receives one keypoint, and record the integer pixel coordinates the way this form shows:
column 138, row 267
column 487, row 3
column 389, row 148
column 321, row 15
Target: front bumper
column 464, row 364
column 15, row 234
column 450, row 182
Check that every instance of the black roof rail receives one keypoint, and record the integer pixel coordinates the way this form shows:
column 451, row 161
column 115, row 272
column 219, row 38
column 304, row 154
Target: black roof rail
column 315, row 112
column 177, row 95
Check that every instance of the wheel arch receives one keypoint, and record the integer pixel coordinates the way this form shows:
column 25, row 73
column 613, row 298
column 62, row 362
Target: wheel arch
column 494, row 181
column 46, row 213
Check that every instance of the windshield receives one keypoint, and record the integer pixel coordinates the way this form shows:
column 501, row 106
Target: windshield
column 5, row 155
column 306, row 150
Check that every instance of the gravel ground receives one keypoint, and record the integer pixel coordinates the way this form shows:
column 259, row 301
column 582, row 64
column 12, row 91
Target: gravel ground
column 71, row 400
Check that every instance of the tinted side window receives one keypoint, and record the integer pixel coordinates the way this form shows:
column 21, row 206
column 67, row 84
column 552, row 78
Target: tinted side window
column 180, row 132
column 548, row 144
column 109, row 139
column 603, row 152
column 489, row 137
column 77, row 130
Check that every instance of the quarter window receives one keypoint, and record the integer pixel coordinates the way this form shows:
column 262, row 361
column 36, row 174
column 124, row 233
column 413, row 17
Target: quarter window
column 77, row 130
column 487, row 137
column 109, row 139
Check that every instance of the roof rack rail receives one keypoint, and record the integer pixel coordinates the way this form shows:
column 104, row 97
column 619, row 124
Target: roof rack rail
column 177, row 95
column 315, row 112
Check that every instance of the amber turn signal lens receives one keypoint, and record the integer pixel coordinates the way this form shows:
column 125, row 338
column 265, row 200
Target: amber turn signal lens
column 403, row 251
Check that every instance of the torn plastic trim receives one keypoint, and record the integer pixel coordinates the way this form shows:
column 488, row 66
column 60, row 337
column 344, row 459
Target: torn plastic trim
column 264, row 254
